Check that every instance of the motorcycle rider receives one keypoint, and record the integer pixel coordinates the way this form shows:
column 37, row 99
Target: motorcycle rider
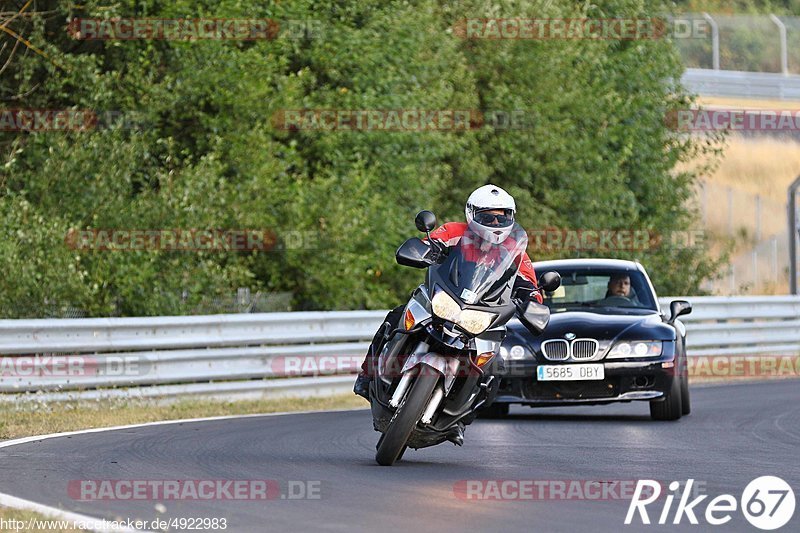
column 490, row 216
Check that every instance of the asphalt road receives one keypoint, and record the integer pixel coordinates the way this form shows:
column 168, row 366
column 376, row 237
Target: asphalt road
column 735, row 434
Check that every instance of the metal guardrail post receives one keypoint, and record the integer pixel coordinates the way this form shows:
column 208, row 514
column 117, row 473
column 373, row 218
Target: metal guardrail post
column 784, row 50
column 714, row 40
column 793, row 233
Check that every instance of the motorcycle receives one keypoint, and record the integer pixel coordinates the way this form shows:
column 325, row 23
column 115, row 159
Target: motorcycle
column 441, row 367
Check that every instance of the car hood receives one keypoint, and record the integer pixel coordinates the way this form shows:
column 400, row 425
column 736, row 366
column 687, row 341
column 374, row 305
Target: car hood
column 600, row 326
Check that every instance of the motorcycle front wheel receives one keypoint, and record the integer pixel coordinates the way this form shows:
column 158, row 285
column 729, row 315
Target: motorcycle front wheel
column 393, row 441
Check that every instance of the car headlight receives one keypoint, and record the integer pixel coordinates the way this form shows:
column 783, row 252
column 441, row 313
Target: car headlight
column 447, row 308
column 624, row 349
column 517, row 352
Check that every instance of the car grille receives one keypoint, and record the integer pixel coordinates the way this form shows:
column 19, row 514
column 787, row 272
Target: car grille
column 584, row 348
column 578, row 350
column 555, row 350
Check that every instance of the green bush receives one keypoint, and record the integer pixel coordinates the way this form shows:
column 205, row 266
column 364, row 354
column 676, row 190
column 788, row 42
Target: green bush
column 204, row 151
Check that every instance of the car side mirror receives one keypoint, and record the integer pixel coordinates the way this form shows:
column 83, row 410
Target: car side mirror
column 413, row 253
column 550, row 281
column 534, row 316
column 425, row 221
column 678, row 308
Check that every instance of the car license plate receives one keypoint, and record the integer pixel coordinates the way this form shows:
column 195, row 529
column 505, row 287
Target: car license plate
column 585, row 372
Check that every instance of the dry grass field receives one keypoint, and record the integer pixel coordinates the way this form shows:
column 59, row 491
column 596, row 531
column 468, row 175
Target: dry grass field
column 744, row 199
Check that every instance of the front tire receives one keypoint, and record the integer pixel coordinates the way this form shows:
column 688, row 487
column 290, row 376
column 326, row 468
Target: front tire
column 393, row 442
column 671, row 407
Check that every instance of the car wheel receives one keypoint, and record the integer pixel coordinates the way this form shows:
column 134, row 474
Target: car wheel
column 670, row 408
column 496, row 410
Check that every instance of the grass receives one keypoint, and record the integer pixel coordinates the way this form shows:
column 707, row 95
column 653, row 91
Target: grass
column 765, row 166
column 36, row 419
column 751, row 168
column 747, row 103
column 762, row 167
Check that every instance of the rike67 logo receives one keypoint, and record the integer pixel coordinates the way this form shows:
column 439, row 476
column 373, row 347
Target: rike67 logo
column 767, row 503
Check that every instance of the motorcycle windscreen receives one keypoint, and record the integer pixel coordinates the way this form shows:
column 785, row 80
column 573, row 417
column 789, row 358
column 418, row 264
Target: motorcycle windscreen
column 479, row 268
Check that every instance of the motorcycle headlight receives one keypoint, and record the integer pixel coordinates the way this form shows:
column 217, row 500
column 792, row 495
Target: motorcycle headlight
column 625, row 349
column 444, row 306
column 475, row 321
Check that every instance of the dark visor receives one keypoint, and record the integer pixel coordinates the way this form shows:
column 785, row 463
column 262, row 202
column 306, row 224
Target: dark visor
column 486, row 218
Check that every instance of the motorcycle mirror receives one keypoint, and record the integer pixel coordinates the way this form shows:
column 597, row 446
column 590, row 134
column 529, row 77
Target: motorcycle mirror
column 425, row 221
column 550, row 281
column 413, row 253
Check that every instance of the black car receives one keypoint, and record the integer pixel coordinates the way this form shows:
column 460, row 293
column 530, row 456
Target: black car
column 607, row 341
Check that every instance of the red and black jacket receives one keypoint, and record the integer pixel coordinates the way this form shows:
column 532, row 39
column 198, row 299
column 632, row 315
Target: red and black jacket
column 450, row 233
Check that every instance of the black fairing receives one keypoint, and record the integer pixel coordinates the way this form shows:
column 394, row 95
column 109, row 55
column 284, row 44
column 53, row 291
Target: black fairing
column 497, row 301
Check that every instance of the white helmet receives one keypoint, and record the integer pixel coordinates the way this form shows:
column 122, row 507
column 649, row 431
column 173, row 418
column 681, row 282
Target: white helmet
column 491, row 228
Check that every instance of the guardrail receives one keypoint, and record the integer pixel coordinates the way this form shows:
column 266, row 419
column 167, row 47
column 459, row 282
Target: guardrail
column 314, row 352
column 746, row 325
column 739, row 84
column 123, row 352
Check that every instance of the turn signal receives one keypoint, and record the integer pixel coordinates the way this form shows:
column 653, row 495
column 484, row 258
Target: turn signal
column 409, row 320
column 484, row 358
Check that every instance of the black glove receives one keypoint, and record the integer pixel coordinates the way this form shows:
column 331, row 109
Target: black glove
column 438, row 252
column 523, row 289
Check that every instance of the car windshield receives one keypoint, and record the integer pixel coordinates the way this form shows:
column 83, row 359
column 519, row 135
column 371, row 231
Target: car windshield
column 479, row 270
column 600, row 289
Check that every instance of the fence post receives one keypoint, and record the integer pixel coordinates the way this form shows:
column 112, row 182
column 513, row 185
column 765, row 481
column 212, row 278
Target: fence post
column 784, row 50
column 793, row 230
column 755, row 269
column 732, row 279
column 758, row 218
column 730, row 211
column 714, row 39
column 775, row 260
column 704, row 202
